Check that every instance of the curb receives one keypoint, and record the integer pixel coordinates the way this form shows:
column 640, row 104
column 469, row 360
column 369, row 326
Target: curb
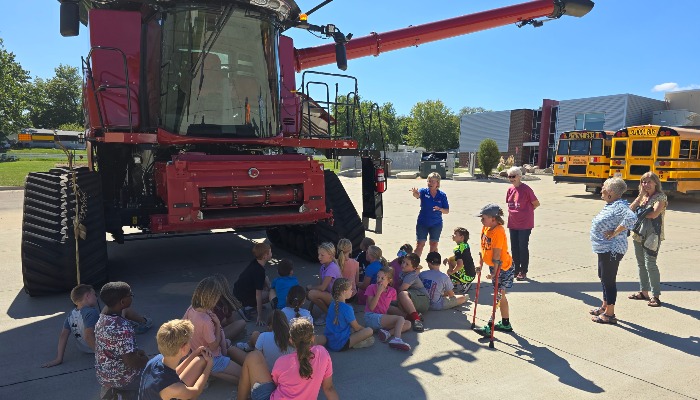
column 7, row 188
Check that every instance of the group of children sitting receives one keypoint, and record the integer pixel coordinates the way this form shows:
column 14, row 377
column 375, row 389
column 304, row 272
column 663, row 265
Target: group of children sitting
column 291, row 361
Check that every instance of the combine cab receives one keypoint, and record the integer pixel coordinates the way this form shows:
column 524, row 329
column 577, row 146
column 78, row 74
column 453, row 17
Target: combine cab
column 194, row 122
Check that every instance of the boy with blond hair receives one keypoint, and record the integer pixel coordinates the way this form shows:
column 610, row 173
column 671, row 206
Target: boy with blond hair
column 165, row 377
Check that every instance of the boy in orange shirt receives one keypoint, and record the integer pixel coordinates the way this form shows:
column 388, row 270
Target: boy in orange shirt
column 494, row 253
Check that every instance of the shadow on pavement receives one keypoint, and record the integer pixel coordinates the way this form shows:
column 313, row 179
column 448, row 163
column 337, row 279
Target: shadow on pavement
column 546, row 359
column 686, row 345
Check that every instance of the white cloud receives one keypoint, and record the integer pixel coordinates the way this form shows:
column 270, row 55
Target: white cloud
column 673, row 87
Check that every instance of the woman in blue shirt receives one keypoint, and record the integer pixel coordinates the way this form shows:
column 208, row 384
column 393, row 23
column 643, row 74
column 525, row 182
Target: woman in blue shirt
column 433, row 203
column 609, row 242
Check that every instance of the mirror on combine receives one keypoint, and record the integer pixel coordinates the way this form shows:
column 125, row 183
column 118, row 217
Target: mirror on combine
column 70, row 18
column 341, row 56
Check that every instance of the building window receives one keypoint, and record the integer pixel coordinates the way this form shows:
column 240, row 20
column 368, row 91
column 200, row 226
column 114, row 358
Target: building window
column 590, row 121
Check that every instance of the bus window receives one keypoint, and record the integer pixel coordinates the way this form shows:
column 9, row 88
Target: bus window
column 579, row 147
column 597, row 147
column 641, row 148
column 664, row 148
column 620, row 148
column 563, row 148
column 685, row 149
column 694, row 149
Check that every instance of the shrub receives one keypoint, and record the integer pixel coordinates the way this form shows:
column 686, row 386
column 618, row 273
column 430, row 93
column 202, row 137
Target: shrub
column 489, row 156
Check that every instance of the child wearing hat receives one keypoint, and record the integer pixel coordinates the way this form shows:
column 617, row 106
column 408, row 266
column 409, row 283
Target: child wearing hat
column 494, row 253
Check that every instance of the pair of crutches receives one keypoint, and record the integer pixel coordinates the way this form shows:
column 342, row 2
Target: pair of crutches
column 492, row 321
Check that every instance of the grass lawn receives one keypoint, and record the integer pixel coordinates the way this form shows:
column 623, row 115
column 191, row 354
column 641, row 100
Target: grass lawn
column 13, row 173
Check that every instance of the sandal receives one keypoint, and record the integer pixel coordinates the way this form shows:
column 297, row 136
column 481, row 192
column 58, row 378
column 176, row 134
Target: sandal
column 638, row 296
column 597, row 311
column 654, row 302
column 610, row 319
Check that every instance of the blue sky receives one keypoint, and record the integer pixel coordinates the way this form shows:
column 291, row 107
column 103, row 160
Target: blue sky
column 622, row 46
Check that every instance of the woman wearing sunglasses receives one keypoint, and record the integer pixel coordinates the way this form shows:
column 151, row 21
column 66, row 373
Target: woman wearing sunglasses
column 521, row 202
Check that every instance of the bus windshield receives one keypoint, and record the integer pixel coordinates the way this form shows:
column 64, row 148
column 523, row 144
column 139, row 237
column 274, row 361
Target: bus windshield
column 219, row 76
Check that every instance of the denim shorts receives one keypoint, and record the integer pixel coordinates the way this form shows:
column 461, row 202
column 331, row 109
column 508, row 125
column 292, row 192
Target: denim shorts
column 423, row 231
column 505, row 278
column 373, row 320
column 220, row 363
column 262, row 391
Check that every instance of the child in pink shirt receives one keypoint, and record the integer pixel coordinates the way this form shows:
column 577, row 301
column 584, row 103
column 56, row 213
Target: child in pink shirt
column 299, row 375
column 349, row 267
column 379, row 298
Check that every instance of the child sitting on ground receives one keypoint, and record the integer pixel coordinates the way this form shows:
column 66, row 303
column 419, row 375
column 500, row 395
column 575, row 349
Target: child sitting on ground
column 494, row 253
column 295, row 300
column 379, row 297
column 118, row 360
column 320, row 295
column 80, row 323
column 275, row 343
column 342, row 330
column 361, row 257
column 299, row 375
column 398, row 261
column 461, row 266
column 208, row 331
column 349, row 267
column 280, row 286
column 252, row 287
column 412, row 296
column 439, row 285
column 225, row 308
column 376, row 263
column 173, row 373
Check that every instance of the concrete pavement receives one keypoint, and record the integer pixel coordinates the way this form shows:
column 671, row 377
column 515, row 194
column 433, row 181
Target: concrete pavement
column 555, row 351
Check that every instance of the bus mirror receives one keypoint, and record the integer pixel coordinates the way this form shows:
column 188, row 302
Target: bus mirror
column 70, row 18
column 341, row 56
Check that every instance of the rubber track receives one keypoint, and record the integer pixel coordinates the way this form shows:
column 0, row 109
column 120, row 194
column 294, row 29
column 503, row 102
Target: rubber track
column 48, row 243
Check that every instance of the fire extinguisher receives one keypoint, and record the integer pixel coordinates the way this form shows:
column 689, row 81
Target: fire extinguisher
column 380, row 180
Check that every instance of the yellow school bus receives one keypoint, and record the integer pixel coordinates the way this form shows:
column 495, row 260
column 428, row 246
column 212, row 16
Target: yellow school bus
column 670, row 152
column 583, row 157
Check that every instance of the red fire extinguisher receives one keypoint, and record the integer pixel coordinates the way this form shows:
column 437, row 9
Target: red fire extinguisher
column 380, row 180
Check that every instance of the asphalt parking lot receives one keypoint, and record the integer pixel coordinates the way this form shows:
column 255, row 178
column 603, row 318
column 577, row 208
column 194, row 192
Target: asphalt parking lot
column 555, row 351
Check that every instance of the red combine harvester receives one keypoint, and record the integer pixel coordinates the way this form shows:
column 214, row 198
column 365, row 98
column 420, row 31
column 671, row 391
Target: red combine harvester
column 193, row 123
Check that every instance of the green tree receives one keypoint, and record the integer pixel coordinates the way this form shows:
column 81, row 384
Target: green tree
column 368, row 124
column 471, row 110
column 14, row 93
column 57, row 101
column 72, row 127
column 433, row 126
column 489, row 156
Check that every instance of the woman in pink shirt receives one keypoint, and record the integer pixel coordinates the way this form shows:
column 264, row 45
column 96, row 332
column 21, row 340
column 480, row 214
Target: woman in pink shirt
column 299, row 375
column 521, row 202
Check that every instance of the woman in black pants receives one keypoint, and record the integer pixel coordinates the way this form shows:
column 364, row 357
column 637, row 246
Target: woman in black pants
column 609, row 241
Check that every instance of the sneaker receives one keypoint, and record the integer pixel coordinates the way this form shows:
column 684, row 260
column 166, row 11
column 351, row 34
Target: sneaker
column 320, row 321
column 245, row 346
column 383, row 335
column 143, row 327
column 500, row 326
column 365, row 343
column 245, row 315
column 484, row 331
column 418, row 326
column 398, row 344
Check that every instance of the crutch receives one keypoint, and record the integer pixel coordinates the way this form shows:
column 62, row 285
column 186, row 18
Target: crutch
column 476, row 300
column 495, row 303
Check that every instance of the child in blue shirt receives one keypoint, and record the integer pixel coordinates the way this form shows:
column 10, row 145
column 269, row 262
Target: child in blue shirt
column 280, row 286
column 342, row 330
column 376, row 262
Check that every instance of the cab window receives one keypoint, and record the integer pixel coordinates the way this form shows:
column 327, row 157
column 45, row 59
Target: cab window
column 664, row 148
column 620, row 148
column 641, row 148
